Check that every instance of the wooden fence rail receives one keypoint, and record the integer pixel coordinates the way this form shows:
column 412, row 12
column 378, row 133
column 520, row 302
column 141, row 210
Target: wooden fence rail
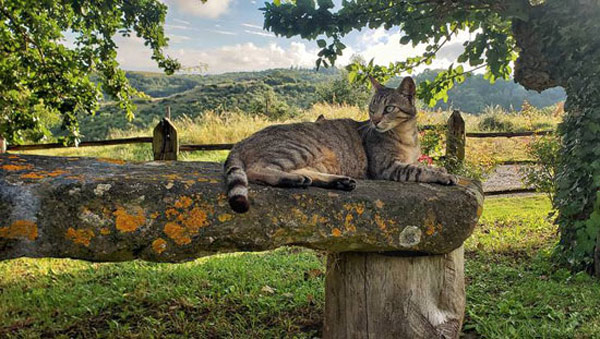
column 165, row 140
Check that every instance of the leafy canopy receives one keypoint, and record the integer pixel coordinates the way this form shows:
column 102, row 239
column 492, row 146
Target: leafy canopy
column 42, row 76
column 430, row 22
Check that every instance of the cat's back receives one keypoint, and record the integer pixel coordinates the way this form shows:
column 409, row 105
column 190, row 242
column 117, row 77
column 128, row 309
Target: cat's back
column 333, row 146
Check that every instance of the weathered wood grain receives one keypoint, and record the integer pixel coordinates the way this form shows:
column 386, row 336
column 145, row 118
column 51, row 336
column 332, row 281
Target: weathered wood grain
column 370, row 295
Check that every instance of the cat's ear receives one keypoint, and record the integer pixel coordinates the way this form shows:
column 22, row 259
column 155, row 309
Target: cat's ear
column 408, row 87
column 374, row 82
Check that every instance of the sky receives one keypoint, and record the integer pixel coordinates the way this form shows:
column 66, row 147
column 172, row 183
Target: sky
column 227, row 36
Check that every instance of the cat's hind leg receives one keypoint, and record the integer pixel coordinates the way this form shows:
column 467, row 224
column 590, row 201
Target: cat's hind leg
column 275, row 177
column 327, row 180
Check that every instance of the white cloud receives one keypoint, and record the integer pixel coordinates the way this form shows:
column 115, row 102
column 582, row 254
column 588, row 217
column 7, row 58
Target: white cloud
column 249, row 57
column 174, row 38
column 384, row 47
column 182, row 21
column 270, row 35
column 210, row 9
column 133, row 55
column 252, row 26
column 218, row 31
column 181, row 27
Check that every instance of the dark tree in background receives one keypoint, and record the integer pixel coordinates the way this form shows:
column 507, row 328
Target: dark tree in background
column 551, row 42
column 41, row 77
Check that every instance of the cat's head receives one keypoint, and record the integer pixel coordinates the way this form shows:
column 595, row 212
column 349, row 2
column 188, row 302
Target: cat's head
column 391, row 107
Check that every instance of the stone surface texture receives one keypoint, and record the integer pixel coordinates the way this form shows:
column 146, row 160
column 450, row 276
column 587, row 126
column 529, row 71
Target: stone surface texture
column 111, row 210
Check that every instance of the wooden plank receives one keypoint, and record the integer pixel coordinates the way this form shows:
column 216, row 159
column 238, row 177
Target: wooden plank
column 394, row 296
column 112, row 142
column 517, row 162
column 511, row 191
column 507, row 134
column 208, row 147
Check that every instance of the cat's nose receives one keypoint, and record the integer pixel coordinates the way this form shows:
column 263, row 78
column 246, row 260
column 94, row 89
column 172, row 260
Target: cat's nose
column 376, row 120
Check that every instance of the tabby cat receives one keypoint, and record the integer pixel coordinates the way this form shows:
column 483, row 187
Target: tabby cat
column 332, row 153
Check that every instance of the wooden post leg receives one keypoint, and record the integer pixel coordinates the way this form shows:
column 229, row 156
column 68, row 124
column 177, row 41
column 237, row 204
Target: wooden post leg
column 369, row 295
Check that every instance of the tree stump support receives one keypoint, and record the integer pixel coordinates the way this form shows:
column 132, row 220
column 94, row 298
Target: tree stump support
column 165, row 143
column 371, row 295
column 456, row 138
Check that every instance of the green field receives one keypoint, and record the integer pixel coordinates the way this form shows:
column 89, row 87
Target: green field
column 513, row 290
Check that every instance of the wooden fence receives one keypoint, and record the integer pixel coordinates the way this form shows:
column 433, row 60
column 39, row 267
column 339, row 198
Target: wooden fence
column 166, row 146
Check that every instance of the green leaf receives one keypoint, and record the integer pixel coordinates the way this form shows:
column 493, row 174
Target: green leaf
column 321, row 43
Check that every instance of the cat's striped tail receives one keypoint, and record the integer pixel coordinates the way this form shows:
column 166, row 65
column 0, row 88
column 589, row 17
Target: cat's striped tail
column 237, row 184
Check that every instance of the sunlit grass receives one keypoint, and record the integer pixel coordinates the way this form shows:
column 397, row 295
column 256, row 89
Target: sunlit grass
column 513, row 290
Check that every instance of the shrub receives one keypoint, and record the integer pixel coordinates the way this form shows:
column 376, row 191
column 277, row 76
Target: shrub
column 496, row 121
column 542, row 175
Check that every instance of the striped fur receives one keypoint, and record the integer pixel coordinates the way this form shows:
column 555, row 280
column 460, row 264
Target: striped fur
column 332, row 153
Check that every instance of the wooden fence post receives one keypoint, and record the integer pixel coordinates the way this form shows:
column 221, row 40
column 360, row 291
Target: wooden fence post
column 3, row 145
column 456, row 137
column 165, row 141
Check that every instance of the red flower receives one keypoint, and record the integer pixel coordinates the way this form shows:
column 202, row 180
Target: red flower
column 425, row 159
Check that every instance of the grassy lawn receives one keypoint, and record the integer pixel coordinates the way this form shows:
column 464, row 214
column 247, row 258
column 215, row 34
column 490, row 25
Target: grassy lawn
column 513, row 290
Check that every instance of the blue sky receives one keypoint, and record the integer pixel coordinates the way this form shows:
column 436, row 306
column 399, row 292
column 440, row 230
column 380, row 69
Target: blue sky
column 227, row 36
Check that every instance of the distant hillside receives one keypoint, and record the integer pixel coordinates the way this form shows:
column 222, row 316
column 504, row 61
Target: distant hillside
column 283, row 92
column 476, row 93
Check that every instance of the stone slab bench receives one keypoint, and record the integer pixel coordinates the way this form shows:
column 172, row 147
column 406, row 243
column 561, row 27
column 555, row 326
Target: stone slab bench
column 395, row 264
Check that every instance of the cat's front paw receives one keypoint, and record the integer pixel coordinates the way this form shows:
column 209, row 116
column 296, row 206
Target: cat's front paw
column 345, row 184
column 446, row 179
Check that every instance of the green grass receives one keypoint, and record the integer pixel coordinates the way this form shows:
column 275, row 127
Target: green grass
column 513, row 290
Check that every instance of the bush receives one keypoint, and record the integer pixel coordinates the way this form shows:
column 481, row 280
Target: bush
column 341, row 91
column 542, row 176
column 496, row 119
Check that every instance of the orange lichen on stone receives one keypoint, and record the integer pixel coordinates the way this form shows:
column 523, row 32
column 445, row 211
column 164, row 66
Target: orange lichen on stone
column 126, row 222
column 105, row 231
column 20, row 229
column 224, row 217
column 379, row 203
column 159, row 245
column 318, row 219
column 81, row 237
column 183, row 202
column 13, row 168
column 171, row 212
column 56, row 173
column 172, row 176
column 479, row 210
column 155, row 215
column 32, row 175
column 380, row 222
column 14, row 156
column 195, row 219
column 430, row 223
column 177, row 233
column 112, row 161
column 348, row 223
column 358, row 208
column 336, row 232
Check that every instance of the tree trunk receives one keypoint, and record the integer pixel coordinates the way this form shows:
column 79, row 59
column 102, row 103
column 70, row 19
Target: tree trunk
column 559, row 45
column 370, row 295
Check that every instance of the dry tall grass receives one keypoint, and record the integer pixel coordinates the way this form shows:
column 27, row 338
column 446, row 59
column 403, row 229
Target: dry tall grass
column 213, row 128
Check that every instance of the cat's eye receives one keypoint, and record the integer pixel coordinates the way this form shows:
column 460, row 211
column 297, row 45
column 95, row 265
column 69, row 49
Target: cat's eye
column 390, row 109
